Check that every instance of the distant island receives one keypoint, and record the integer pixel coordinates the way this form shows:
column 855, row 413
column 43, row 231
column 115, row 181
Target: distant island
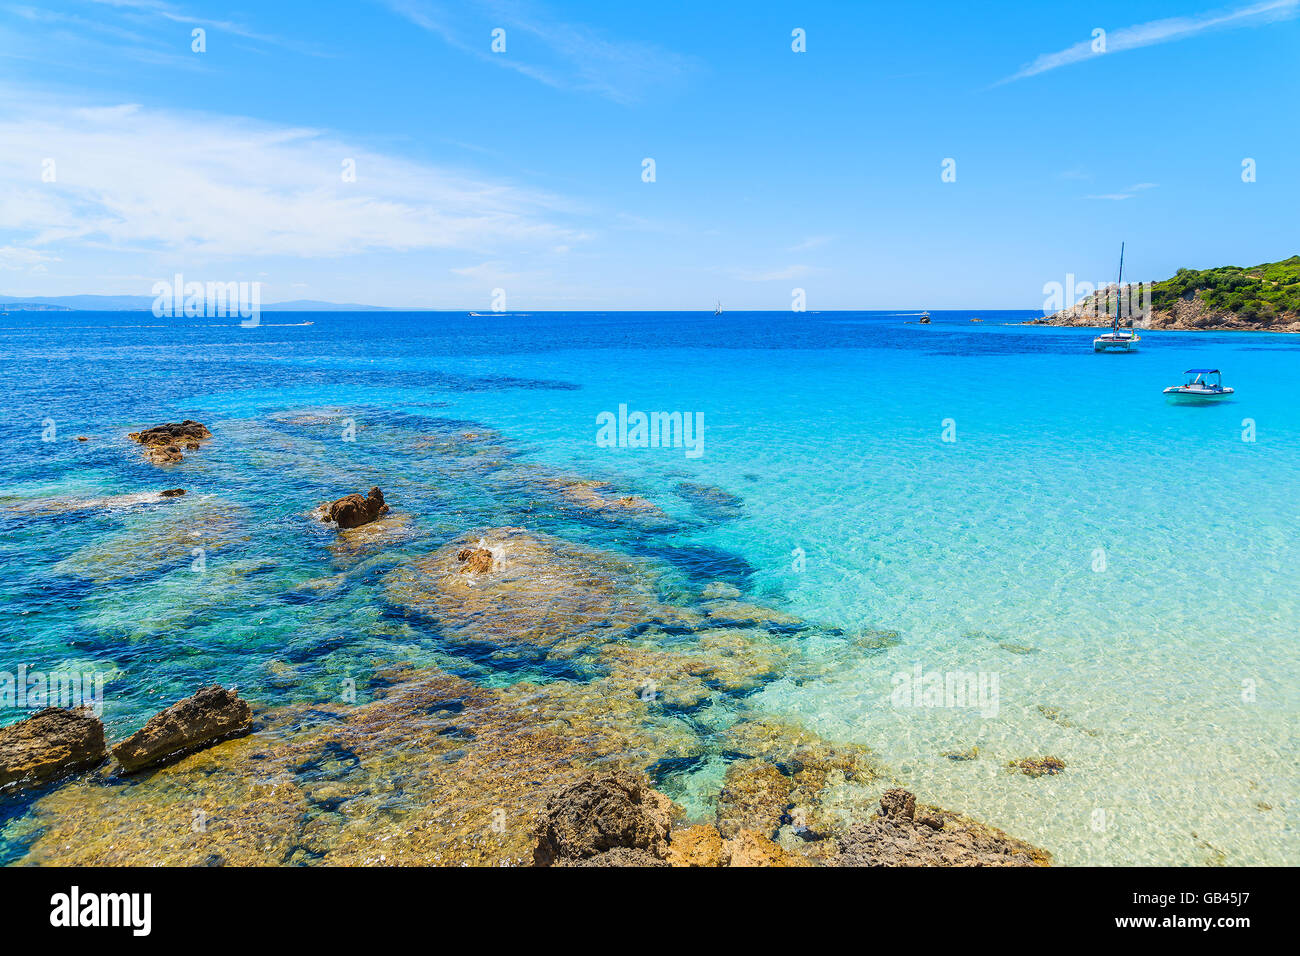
column 1263, row 298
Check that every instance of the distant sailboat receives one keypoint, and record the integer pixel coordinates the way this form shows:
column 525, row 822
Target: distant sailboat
column 717, row 310
column 1117, row 340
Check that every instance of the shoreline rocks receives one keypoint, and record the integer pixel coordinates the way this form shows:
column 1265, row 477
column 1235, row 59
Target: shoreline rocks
column 49, row 744
column 903, row 834
column 167, row 443
column 1187, row 314
column 212, row 715
column 353, row 511
column 617, row 811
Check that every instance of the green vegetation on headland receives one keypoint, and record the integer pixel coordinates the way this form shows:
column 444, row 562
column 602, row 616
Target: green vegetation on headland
column 1257, row 293
column 1265, row 297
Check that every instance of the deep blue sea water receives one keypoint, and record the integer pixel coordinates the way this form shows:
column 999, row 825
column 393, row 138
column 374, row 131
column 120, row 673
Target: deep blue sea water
column 1130, row 569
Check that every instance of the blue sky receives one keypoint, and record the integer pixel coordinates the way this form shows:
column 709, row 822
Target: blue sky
column 522, row 170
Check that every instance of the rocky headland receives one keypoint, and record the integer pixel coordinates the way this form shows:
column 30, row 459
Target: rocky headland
column 1263, row 298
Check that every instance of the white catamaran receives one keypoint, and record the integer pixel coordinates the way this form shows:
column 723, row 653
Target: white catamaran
column 1117, row 339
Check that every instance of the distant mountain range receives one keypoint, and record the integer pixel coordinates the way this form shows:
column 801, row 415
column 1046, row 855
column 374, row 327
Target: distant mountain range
column 133, row 303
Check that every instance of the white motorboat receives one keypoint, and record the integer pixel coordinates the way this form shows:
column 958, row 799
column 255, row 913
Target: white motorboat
column 1202, row 385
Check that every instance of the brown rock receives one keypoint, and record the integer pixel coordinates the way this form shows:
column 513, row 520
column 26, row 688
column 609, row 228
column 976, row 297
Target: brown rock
column 600, row 813
column 172, row 492
column 478, row 560
column 619, row 856
column 162, row 443
column 82, row 438
column 749, row 848
column 352, row 511
column 696, row 846
column 903, row 835
column 898, row 804
column 48, row 744
column 212, row 715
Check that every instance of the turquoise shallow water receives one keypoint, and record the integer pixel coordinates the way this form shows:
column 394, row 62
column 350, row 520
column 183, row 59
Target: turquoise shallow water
column 1127, row 568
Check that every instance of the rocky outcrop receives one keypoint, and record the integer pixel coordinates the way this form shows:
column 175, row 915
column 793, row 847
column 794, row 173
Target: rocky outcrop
column 904, row 835
column 352, row 511
column 603, row 813
column 210, row 716
column 1190, row 313
column 475, row 560
column 167, row 443
column 172, row 492
column 619, row 856
column 49, row 744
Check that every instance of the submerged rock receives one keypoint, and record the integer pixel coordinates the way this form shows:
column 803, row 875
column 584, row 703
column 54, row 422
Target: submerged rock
column 1037, row 766
column 585, row 497
column 166, row 444
column 210, row 716
column 172, row 492
column 720, row 591
column 352, row 511
column 741, row 614
column 696, row 846
column 903, row 835
column 749, row 848
column 755, row 796
column 50, row 743
column 602, row 813
column 709, row 502
column 539, row 592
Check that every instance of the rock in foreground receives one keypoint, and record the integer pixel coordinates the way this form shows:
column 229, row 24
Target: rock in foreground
column 602, row 813
column 50, row 743
column 212, row 715
column 903, row 836
column 352, row 511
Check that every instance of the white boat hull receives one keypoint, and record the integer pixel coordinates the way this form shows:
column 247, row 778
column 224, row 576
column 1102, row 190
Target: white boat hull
column 1115, row 343
column 1191, row 396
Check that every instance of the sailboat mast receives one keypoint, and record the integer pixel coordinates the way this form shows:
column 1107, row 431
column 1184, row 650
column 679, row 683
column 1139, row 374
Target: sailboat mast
column 1119, row 286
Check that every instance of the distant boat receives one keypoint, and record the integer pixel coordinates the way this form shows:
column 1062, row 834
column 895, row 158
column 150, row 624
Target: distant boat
column 1117, row 339
column 717, row 310
column 1202, row 385
column 925, row 318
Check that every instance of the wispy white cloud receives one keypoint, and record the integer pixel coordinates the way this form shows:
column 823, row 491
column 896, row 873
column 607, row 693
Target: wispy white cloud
column 567, row 56
column 170, row 12
column 19, row 258
column 1160, row 31
column 812, row 242
column 1126, row 194
column 187, row 185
